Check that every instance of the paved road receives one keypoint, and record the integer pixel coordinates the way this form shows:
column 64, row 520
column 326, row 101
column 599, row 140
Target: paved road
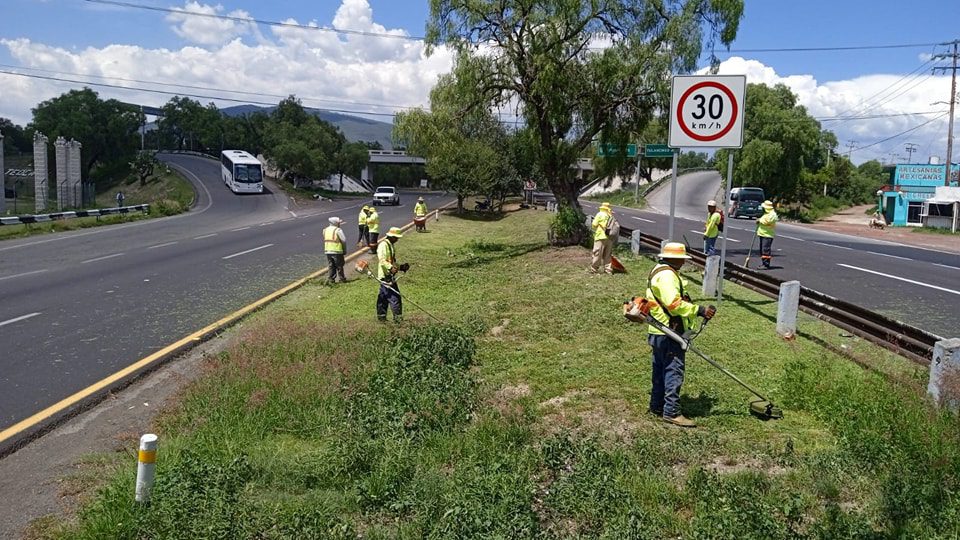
column 916, row 285
column 76, row 307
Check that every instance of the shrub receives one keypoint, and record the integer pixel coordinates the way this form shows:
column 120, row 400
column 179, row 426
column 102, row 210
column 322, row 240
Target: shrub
column 166, row 207
column 567, row 227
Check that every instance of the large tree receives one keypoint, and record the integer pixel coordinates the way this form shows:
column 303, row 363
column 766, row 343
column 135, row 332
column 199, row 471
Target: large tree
column 349, row 158
column 107, row 129
column 15, row 138
column 576, row 69
column 298, row 143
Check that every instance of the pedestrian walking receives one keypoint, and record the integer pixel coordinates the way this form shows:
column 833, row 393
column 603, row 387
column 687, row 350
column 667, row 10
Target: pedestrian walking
column 373, row 228
column 334, row 246
column 364, row 238
column 602, row 248
column 766, row 230
column 387, row 268
column 712, row 228
column 120, row 198
column 420, row 215
column 673, row 309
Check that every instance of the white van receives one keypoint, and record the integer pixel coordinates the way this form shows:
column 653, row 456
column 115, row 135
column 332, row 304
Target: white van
column 745, row 202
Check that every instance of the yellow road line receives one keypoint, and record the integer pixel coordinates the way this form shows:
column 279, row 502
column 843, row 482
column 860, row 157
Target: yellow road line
column 191, row 339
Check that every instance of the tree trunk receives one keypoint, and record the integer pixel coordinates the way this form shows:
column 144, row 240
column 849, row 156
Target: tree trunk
column 567, row 192
column 459, row 203
column 341, row 181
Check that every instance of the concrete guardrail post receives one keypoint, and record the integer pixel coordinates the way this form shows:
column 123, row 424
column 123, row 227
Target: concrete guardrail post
column 787, row 306
column 40, row 189
column 146, row 467
column 635, row 242
column 944, row 385
column 711, row 274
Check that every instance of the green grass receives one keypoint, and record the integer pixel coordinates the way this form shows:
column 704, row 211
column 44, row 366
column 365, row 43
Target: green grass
column 167, row 193
column 621, row 197
column 305, row 193
column 526, row 419
column 934, row 230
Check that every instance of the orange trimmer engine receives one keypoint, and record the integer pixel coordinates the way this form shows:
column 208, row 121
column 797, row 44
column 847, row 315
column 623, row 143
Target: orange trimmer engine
column 362, row 266
column 637, row 309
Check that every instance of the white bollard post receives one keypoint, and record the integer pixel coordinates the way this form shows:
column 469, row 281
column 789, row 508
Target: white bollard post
column 944, row 385
column 711, row 274
column 787, row 305
column 635, row 242
column 146, row 467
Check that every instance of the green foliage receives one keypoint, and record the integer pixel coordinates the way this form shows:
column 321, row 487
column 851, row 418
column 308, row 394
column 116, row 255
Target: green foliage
column 567, row 92
column 143, row 165
column 16, row 139
column 167, row 207
column 567, row 227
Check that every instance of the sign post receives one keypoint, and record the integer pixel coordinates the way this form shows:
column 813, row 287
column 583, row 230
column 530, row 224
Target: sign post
column 707, row 112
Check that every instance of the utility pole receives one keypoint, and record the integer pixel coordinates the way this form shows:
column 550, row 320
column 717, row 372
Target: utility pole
column 850, row 146
column 953, row 101
column 910, row 148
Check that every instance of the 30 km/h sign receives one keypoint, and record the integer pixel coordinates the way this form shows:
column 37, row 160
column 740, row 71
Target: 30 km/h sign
column 707, row 111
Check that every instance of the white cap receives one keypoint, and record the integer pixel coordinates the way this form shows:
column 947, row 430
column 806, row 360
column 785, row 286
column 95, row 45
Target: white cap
column 335, row 221
column 711, row 202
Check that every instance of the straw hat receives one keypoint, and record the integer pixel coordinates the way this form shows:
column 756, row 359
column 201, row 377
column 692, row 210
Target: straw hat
column 767, row 205
column 673, row 250
column 395, row 232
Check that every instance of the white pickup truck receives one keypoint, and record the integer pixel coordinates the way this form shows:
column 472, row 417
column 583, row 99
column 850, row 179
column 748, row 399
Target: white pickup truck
column 386, row 195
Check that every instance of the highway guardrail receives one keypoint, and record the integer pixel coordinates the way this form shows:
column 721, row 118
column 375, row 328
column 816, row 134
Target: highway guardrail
column 57, row 216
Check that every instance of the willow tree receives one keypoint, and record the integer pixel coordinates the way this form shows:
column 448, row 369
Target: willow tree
column 576, row 70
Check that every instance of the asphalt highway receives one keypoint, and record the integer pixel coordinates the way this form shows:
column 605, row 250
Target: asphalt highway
column 916, row 285
column 76, row 307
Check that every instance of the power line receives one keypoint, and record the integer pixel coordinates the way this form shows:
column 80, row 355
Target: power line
column 841, row 48
column 248, row 20
column 863, row 104
column 902, row 133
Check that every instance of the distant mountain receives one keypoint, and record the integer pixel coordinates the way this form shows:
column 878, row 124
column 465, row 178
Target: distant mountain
column 354, row 128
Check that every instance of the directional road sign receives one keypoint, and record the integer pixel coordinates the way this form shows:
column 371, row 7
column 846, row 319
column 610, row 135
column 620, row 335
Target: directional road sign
column 706, row 111
column 607, row 150
column 657, row 150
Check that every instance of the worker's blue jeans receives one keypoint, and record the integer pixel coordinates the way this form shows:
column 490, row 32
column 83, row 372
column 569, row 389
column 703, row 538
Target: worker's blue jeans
column 710, row 245
column 668, row 366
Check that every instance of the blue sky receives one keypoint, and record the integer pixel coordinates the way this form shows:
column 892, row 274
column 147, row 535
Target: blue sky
column 81, row 37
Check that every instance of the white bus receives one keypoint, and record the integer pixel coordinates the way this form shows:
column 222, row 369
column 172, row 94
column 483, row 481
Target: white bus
column 241, row 172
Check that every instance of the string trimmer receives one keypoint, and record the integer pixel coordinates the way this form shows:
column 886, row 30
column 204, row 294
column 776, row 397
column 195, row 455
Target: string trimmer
column 638, row 310
column 363, row 267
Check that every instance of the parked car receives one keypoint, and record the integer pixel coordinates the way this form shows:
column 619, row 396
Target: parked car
column 745, row 202
column 386, row 195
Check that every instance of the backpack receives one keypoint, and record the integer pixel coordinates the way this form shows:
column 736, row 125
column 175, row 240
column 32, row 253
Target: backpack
column 613, row 227
column 722, row 218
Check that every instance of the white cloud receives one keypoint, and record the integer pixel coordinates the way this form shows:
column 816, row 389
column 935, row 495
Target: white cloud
column 191, row 24
column 324, row 69
column 868, row 95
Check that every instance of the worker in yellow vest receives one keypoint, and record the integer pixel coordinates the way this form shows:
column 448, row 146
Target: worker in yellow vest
column 420, row 215
column 387, row 268
column 364, row 238
column 712, row 228
column 334, row 246
column 373, row 228
column 672, row 308
column 602, row 247
column 766, row 230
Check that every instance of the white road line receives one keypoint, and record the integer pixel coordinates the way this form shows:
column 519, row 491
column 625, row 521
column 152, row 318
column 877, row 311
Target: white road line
column 23, row 274
column 935, row 264
column 891, row 256
column 162, row 245
column 792, row 238
column 101, row 258
column 641, row 219
column 922, row 284
column 204, row 236
column 732, row 240
column 247, row 251
column 18, row 319
column 240, row 229
column 834, row 246
column 267, row 223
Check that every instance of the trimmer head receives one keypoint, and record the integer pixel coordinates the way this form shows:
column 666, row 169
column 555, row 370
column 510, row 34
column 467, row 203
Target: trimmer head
column 765, row 410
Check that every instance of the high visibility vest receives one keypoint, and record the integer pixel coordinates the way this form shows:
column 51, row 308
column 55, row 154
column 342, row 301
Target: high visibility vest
column 387, row 259
column 712, row 228
column 666, row 285
column 362, row 220
column 767, row 223
column 420, row 209
column 331, row 240
column 373, row 222
column 600, row 222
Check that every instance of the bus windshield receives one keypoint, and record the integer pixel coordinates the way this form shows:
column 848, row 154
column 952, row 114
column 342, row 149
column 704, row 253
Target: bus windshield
column 247, row 173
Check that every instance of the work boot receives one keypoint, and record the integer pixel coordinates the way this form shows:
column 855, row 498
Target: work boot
column 381, row 319
column 655, row 412
column 680, row 420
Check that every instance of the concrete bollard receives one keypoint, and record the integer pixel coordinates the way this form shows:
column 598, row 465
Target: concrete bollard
column 146, row 467
column 787, row 306
column 944, row 385
column 711, row 273
column 635, row 242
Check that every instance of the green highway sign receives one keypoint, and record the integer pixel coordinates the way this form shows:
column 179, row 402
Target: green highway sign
column 607, row 150
column 657, row 150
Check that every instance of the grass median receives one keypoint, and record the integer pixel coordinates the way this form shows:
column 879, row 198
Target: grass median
column 526, row 418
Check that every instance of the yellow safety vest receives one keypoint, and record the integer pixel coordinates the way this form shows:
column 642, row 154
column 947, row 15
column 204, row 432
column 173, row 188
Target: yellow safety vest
column 387, row 259
column 362, row 220
column 712, row 228
column 666, row 285
column 600, row 222
column 766, row 224
column 373, row 222
column 420, row 209
column 331, row 241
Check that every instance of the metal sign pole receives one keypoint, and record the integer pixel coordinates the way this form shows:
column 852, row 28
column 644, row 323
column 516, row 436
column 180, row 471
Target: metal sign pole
column 723, row 243
column 673, row 195
column 636, row 177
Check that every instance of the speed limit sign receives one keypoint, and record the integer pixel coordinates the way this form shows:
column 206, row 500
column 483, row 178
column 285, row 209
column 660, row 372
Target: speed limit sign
column 707, row 111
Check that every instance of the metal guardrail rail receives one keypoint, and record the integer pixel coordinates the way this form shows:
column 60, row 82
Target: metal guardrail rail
column 899, row 337
column 57, row 216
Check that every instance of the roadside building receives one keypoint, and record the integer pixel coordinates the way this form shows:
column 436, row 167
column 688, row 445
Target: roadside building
column 905, row 201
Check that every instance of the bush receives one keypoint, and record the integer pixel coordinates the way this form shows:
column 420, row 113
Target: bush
column 567, row 227
column 166, row 207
